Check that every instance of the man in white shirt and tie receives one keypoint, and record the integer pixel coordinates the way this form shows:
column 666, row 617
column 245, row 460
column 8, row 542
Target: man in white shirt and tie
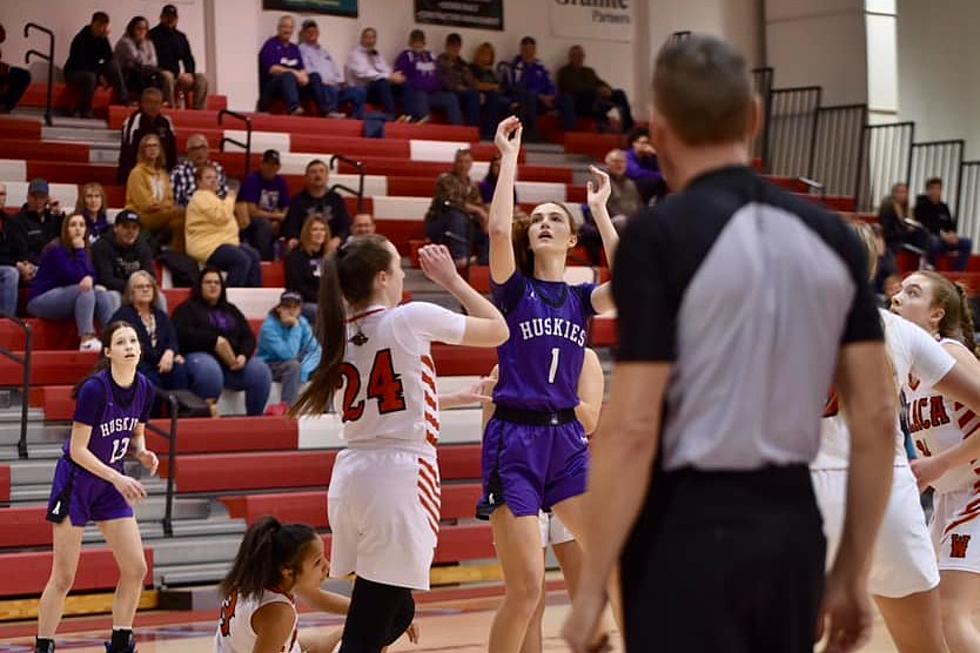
column 317, row 59
column 367, row 69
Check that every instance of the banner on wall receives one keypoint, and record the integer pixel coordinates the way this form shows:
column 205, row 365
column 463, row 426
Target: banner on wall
column 346, row 8
column 480, row 14
column 605, row 20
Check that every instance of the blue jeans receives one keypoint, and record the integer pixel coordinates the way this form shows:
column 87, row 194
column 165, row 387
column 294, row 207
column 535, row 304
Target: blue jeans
column 209, row 377
column 962, row 248
column 62, row 303
column 496, row 107
column 9, row 282
column 309, row 312
column 241, row 263
column 287, row 373
column 531, row 105
column 337, row 96
column 379, row 92
column 418, row 103
column 286, row 87
column 466, row 234
column 469, row 100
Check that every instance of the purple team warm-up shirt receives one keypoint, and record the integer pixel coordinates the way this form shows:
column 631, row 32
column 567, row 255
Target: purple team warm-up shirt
column 419, row 69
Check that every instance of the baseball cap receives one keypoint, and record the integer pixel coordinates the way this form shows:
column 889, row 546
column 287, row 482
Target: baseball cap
column 38, row 186
column 271, row 156
column 127, row 216
column 290, row 297
column 169, row 10
column 308, row 23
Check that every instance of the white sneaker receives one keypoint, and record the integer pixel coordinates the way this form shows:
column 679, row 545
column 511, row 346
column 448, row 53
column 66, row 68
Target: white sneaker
column 91, row 345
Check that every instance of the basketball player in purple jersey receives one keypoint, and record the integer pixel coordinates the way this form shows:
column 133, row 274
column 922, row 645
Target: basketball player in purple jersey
column 112, row 406
column 534, row 448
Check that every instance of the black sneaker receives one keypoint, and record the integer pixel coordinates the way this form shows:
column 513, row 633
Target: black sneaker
column 130, row 648
column 46, row 646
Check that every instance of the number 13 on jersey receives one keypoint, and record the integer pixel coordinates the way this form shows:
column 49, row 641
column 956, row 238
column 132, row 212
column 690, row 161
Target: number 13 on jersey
column 383, row 384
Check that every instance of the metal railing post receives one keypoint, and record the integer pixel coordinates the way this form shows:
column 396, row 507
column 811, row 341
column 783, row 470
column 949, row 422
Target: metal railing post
column 49, row 57
column 247, row 145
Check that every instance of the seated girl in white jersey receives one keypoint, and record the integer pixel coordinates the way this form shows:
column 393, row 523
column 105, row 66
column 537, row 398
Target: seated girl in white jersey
column 275, row 563
column 383, row 499
column 904, row 576
column 945, row 436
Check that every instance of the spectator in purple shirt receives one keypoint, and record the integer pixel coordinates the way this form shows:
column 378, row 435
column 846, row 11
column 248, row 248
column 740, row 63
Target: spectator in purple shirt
column 642, row 165
column 65, row 284
column 423, row 88
column 263, row 199
column 532, row 87
column 281, row 72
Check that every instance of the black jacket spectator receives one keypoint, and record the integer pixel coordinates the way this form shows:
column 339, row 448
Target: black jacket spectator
column 115, row 262
column 934, row 217
column 166, row 335
column 331, row 206
column 303, row 273
column 196, row 332
column 10, row 253
column 30, row 231
column 138, row 125
column 173, row 49
column 88, row 53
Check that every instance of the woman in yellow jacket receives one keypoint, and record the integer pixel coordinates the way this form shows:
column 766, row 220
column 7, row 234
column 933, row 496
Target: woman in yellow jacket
column 212, row 233
column 150, row 195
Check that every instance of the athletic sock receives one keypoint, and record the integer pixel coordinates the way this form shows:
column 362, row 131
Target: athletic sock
column 43, row 645
column 122, row 640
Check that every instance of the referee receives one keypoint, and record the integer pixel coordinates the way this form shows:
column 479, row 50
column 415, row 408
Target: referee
column 739, row 306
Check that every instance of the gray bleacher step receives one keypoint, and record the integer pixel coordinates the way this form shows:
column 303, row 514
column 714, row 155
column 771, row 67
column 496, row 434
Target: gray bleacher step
column 556, row 159
column 183, row 528
column 108, row 154
column 196, row 550
column 38, row 434
column 9, row 453
column 547, row 148
column 40, row 490
column 80, row 134
column 32, row 472
column 189, row 574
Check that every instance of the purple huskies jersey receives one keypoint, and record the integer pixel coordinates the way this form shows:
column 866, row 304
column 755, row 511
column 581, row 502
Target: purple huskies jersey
column 541, row 361
column 113, row 413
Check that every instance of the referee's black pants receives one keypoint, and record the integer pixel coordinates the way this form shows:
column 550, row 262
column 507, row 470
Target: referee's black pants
column 726, row 562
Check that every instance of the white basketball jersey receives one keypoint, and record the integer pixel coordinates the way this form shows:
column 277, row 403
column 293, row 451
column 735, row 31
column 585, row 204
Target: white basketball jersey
column 937, row 424
column 388, row 391
column 235, row 634
column 910, row 349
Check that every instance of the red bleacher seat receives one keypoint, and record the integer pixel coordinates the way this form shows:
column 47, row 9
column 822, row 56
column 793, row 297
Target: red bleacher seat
column 33, row 149
column 49, row 368
column 4, row 483
column 27, row 573
column 465, row 542
column 458, row 502
column 228, row 434
column 20, row 527
column 18, row 128
column 463, row 361
column 593, row 144
column 251, row 471
column 603, row 333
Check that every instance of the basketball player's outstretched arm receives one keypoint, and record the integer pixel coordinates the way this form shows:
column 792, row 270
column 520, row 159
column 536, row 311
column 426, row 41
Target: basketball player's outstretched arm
column 502, row 263
column 131, row 489
column 962, row 383
column 485, row 326
column 598, row 195
column 591, row 388
column 623, row 452
column 868, row 401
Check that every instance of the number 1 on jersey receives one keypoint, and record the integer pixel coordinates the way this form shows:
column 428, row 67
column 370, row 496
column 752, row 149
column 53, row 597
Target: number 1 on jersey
column 553, row 370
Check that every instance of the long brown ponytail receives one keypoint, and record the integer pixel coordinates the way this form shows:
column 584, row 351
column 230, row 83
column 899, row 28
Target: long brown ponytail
column 957, row 323
column 266, row 549
column 349, row 274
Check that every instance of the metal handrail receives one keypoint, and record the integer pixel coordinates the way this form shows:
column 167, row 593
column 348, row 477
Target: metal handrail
column 361, row 172
column 49, row 57
column 25, row 389
column 813, row 185
column 168, row 527
column 247, row 145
